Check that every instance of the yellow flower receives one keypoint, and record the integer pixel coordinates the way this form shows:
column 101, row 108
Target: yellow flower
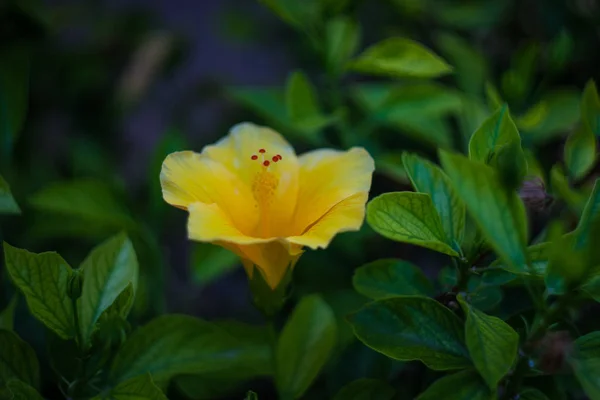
column 251, row 194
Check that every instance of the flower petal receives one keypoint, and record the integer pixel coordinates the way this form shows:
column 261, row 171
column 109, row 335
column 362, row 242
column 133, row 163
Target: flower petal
column 235, row 152
column 326, row 178
column 347, row 215
column 187, row 177
column 209, row 223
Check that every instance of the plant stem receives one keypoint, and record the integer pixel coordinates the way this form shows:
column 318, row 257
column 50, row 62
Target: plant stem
column 462, row 269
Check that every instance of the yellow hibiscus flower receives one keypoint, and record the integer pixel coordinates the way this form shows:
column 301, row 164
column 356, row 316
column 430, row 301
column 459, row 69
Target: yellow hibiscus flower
column 251, row 194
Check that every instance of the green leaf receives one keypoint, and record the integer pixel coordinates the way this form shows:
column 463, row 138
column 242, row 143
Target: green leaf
column 495, row 133
column 486, row 298
column 561, row 188
column 494, row 100
column 560, row 51
column 498, row 212
column 43, row 278
column 553, row 115
column 388, row 278
column 492, row 344
column 427, row 177
column 209, row 262
column 532, row 394
column 410, row 218
column 471, row 69
column 298, row 14
column 580, row 152
column 417, row 109
column 366, row 389
column 7, row 315
column 464, row 385
column 8, row 205
column 585, row 360
column 342, row 36
column 304, row 346
column 17, row 360
column 251, row 395
column 177, row 344
column 86, row 200
column 22, row 391
column 139, row 388
column 413, row 328
column 14, row 94
column 107, row 271
column 400, row 58
column 590, row 108
column 302, row 105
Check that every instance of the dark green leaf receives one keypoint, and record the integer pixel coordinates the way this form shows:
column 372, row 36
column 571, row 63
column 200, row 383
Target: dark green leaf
column 14, row 94
column 560, row 188
column 590, row 108
column 43, row 278
column 465, row 385
column 496, row 132
column 580, row 152
column 486, row 298
column 411, row 218
column 492, row 344
column 366, row 389
column 17, row 360
column 209, row 262
column 341, row 40
column 585, row 361
column 302, row 104
column 342, row 303
column 471, row 69
column 560, row 51
column 304, row 346
column 553, row 115
column 494, row 100
column 532, row 394
column 298, row 14
column 107, row 271
column 177, row 344
column 498, row 212
column 427, row 177
column 87, row 200
column 251, row 395
column 7, row 315
column 388, row 278
column 413, row 328
column 139, row 388
column 22, row 391
column 8, row 205
column 400, row 58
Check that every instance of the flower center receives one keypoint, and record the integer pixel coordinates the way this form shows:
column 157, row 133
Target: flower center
column 264, row 187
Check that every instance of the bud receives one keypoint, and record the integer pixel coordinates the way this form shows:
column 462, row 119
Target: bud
column 533, row 193
column 75, row 284
column 554, row 349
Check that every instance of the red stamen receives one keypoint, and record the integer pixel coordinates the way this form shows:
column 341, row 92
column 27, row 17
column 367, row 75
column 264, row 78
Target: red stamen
column 278, row 156
column 275, row 158
column 266, row 163
column 261, row 150
column 254, row 157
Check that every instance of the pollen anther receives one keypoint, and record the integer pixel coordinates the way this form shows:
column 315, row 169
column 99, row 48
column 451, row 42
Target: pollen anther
column 266, row 163
column 254, row 157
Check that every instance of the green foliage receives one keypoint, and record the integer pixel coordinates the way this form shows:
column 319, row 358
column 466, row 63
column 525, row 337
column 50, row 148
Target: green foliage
column 140, row 387
column 400, row 58
column 411, row 218
column 365, row 389
column 8, row 205
column 499, row 213
column 465, row 385
column 17, row 361
column 304, row 346
column 487, row 272
column 389, row 278
column 413, row 328
column 44, row 279
column 492, row 344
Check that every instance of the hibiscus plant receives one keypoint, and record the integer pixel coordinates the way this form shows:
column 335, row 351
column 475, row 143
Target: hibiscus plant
column 500, row 304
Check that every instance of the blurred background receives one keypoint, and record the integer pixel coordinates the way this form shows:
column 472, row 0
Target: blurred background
column 97, row 93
